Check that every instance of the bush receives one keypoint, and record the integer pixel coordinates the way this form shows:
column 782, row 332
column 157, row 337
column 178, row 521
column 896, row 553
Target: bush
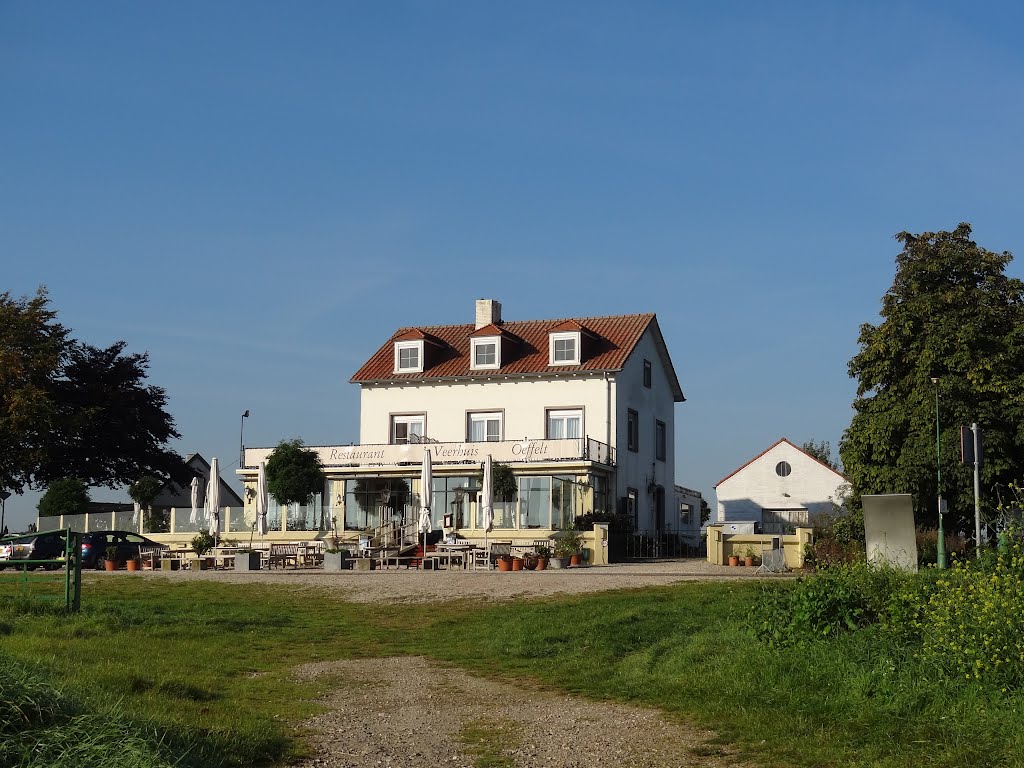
column 972, row 624
column 838, row 599
column 202, row 543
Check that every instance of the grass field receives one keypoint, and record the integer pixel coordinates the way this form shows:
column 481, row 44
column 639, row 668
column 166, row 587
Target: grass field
column 197, row 674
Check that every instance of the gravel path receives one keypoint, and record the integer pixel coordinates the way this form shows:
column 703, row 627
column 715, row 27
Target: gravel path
column 414, row 586
column 409, row 711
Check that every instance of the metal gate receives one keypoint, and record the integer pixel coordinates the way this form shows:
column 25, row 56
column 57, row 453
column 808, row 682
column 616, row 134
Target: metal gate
column 32, row 579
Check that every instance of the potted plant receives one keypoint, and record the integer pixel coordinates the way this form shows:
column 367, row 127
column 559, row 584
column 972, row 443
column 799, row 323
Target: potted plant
column 734, row 556
column 543, row 555
column 748, row 556
column 110, row 558
column 202, row 543
column 133, row 563
column 505, row 562
column 567, row 549
column 517, row 563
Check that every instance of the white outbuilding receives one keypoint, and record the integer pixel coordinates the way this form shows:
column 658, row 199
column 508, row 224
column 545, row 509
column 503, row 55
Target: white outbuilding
column 781, row 489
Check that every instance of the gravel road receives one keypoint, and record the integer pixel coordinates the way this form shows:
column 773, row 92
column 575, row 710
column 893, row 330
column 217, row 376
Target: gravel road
column 410, row 711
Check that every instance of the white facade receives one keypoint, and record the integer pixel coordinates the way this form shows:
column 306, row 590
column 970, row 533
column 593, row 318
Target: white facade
column 586, row 425
column 781, row 489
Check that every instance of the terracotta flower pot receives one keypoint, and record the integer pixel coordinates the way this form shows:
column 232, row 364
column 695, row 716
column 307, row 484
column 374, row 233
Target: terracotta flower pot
column 542, row 563
column 748, row 561
column 133, row 565
column 504, row 563
column 517, row 563
column 110, row 565
column 575, row 559
column 734, row 560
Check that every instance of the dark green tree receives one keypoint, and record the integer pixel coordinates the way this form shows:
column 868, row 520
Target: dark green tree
column 295, row 474
column 32, row 349
column 954, row 316
column 71, row 410
column 108, row 426
column 68, row 496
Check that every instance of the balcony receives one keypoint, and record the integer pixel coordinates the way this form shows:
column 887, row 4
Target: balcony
column 505, row 451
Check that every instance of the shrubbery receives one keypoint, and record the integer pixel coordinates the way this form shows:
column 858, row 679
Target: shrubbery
column 966, row 623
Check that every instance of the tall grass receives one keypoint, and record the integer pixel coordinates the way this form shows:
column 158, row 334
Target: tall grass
column 200, row 674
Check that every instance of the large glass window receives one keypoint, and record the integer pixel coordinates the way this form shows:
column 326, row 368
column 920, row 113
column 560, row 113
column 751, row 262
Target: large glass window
column 599, row 484
column 484, row 427
column 563, row 501
column 565, row 424
column 407, row 429
column 373, row 501
column 452, row 496
column 307, row 517
column 535, row 502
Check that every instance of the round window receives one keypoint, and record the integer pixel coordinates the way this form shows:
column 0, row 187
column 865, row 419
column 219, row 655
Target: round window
column 782, row 469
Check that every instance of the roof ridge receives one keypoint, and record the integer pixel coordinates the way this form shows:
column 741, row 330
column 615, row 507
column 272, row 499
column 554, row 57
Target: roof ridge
column 504, row 323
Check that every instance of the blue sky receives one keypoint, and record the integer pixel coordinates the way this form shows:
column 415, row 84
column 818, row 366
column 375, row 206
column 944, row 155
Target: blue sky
column 258, row 194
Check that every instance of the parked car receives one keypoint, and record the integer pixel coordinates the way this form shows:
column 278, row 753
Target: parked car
column 33, row 546
column 94, row 546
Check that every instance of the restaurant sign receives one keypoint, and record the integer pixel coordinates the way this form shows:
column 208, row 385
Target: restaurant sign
column 508, row 451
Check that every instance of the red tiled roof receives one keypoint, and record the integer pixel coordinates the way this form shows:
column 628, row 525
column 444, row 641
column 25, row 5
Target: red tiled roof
column 615, row 339
column 772, row 447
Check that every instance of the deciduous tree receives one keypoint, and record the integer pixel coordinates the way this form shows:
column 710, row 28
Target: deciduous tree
column 953, row 315
column 295, row 474
column 68, row 409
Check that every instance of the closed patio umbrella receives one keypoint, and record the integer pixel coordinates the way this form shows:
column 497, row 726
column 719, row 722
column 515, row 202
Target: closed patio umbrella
column 427, row 485
column 136, row 516
column 486, row 501
column 261, row 500
column 213, row 498
column 195, row 501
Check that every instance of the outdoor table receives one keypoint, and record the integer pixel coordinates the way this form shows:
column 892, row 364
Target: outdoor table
column 452, row 552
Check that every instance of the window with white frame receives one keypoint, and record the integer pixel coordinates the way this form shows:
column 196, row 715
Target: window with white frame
column 486, row 353
column 566, row 423
column 564, row 348
column 485, row 427
column 407, row 428
column 408, row 357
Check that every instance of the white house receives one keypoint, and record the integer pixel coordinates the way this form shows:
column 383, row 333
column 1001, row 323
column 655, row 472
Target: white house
column 780, row 489
column 581, row 410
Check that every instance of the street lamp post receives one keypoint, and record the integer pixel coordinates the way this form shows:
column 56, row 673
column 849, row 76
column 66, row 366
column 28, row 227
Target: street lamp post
column 940, row 544
column 241, row 442
column 4, row 496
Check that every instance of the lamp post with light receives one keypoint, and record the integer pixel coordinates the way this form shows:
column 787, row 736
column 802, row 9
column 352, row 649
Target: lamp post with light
column 940, row 544
column 241, row 442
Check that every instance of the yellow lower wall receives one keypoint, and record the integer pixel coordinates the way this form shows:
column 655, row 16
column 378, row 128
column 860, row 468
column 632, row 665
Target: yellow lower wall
column 721, row 545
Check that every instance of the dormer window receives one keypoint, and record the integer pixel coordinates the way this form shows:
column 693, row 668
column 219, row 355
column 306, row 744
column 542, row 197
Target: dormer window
column 564, row 348
column 486, row 352
column 408, row 357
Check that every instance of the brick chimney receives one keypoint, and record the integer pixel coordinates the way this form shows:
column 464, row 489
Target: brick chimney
column 487, row 311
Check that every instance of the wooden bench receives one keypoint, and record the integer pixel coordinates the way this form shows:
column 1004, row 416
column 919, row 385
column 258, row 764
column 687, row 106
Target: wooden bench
column 282, row 554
